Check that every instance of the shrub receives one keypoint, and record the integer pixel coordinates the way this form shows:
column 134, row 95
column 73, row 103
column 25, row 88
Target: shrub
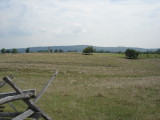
column 14, row 50
column 27, row 50
column 8, row 51
column 131, row 54
column 88, row 50
column 3, row 50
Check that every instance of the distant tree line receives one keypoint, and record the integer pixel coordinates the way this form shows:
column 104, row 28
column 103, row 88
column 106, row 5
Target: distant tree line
column 133, row 54
column 14, row 50
column 58, row 51
column 130, row 53
column 151, row 52
column 102, row 51
column 43, row 51
column 50, row 50
column 72, row 51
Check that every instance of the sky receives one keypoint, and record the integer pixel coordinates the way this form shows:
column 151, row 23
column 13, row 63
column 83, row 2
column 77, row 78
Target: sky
column 106, row 23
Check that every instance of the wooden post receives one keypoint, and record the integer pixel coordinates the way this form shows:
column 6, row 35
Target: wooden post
column 45, row 87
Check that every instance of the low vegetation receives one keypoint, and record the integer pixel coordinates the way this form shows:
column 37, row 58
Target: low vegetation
column 131, row 54
column 88, row 50
column 102, row 86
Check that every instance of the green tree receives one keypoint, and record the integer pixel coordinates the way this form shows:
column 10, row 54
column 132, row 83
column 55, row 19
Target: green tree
column 88, row 50
column 55, row 50
column 60, row 50
column 3, row 50
column 27, row 50
column 8, row 51
column 14, row 50
column 131, row 54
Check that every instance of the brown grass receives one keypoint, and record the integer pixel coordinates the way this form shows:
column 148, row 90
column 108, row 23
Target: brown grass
column 96, row 87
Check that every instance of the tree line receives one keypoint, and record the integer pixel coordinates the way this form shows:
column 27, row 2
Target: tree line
column 130, row 53
column 14, row 50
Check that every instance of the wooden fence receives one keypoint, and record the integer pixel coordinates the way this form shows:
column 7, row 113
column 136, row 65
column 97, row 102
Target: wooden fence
column 28, row 96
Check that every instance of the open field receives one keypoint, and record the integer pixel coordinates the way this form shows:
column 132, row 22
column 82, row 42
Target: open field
column 93, row 87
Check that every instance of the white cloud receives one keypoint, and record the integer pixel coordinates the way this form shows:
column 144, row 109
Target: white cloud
column 96, row 22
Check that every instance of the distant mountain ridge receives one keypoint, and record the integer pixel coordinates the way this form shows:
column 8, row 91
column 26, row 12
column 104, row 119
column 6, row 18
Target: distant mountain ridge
column 79, row 48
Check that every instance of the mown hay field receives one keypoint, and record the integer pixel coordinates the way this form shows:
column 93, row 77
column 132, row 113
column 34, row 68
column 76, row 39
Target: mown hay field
column 88, row 87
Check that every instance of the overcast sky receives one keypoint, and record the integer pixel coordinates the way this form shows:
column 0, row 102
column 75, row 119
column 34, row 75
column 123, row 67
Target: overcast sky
column 109, row 23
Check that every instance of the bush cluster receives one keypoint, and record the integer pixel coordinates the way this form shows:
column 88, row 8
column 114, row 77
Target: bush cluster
column 131, row 54
column 88, row 50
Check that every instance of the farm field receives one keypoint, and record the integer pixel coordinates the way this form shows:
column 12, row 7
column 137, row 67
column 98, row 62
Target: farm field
column 88, row 87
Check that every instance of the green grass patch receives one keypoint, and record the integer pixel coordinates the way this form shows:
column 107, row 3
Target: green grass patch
column 96, row 87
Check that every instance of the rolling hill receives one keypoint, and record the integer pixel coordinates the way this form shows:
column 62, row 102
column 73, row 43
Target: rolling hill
column 79, row 48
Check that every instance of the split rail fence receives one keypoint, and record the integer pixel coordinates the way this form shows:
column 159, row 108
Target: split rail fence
column 28, row 96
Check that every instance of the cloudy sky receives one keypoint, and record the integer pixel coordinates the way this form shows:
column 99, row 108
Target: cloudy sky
column 28, row 23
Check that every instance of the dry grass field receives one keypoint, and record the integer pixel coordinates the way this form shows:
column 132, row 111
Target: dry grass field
column 88, row 87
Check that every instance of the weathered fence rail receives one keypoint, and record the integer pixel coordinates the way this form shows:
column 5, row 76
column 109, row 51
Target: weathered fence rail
column 2, row 95
column 28, row 96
